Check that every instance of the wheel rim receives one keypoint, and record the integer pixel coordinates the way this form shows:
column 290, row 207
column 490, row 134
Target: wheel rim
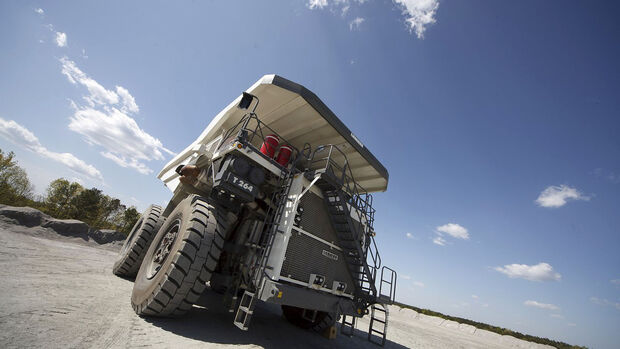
column 132, row 236
column 162, row 251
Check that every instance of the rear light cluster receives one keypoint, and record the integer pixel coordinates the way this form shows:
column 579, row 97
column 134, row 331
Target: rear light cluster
column 269, row 147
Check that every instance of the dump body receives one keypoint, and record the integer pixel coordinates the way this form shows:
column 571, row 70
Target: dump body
column 296, row 114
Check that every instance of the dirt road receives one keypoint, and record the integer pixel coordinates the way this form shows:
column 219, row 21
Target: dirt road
column 61, row 293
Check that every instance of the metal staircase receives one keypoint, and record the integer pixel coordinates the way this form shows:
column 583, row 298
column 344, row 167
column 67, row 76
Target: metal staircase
column 352, row 238
column 253, row 286
column 352, row 217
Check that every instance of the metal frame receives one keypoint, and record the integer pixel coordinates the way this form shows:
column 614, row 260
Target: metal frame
column 327, row 162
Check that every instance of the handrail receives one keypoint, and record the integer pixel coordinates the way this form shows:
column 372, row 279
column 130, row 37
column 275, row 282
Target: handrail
column 362, row 200
column 252, row 131
column 392, row 283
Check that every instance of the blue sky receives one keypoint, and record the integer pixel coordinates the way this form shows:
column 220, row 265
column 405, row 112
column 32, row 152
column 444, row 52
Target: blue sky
column 498, row 122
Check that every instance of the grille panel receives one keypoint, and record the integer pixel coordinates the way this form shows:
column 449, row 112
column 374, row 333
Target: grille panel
column 315, row 218
column 305, row 256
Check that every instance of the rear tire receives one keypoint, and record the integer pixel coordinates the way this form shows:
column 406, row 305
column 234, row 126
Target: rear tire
column 181, row 259
column 328, row 321
column 294, row 315
column 138, row 241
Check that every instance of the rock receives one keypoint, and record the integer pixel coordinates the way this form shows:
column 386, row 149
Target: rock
column 68, row 227
column 430, row 319
column 515, row 342
column 540, row 346
column 410, row 313
column 106, row 236
column 25, row 216
column 450, row 324
column 467, row 328
column 488, row 335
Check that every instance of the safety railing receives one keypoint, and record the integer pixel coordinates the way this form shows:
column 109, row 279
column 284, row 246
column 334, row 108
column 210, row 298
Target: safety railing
column 251, row 131
column 326, row 158
column 389, row 282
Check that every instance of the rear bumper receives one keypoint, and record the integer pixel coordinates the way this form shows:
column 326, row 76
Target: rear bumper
column 285, row 294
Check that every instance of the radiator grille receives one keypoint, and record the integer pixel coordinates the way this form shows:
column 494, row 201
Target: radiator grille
column 305, row 256
column 315, row 218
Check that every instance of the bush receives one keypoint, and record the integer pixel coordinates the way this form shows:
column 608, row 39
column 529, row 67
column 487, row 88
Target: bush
column 64, row 199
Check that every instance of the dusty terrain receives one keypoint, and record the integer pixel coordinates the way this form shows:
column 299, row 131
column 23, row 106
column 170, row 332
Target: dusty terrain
column 59, row 292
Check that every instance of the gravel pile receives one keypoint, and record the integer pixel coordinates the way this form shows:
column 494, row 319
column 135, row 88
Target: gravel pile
column 35, row 222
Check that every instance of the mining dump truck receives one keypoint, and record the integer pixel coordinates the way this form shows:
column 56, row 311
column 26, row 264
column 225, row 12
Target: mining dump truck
column 271, row 203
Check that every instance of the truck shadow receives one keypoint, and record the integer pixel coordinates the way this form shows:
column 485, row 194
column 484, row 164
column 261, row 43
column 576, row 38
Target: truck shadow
column 212, row 323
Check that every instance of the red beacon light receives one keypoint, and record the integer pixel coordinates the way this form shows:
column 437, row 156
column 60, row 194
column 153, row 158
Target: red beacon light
column 284, row 155
column 270, row 145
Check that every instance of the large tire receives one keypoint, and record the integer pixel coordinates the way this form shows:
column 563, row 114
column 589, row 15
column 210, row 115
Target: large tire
column 294, row 315
column 138, row 241
column 328, row 321
column 181, row 259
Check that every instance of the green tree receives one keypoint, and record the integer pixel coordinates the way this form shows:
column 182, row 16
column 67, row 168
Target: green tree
column 15, row 187
column 61, row 198
column 88, row 204
column 109, row 214
column 130, row 217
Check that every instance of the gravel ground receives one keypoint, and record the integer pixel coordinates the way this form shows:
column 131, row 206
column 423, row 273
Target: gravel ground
column 59, row 292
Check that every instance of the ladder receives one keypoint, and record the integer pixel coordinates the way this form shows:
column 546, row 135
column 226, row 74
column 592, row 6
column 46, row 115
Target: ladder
column 378, row 323
column 348, row 327
column 245, row 309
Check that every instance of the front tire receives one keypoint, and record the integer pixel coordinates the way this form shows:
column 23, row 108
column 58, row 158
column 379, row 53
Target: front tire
column 138, row 241
column 181, row 259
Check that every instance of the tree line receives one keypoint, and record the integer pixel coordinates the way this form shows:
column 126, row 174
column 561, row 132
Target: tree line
column 496, row 329
column 64, row 199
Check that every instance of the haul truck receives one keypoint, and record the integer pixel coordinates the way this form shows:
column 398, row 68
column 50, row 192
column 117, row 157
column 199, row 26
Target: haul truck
column 271, row 203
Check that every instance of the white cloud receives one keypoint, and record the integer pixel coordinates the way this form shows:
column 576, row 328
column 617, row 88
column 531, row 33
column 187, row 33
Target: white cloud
column 538, row 272
column 39, row 11
column 615, row 282
column 453, row 230
column 438, row 240
column 405, row 277
column 541, row 305
column 314, row 4
column 124, row 141
column 474, row 296
column 418, row 14
column 409, row 236
column 129, row 103
column 106, row 122
column 20, row 135
column 61, row 39
column 557, row 316
column 418, row 284
column 98, row 95
column 558, row 196
column 356, row 23
column 127, row 162
column 605, row 302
